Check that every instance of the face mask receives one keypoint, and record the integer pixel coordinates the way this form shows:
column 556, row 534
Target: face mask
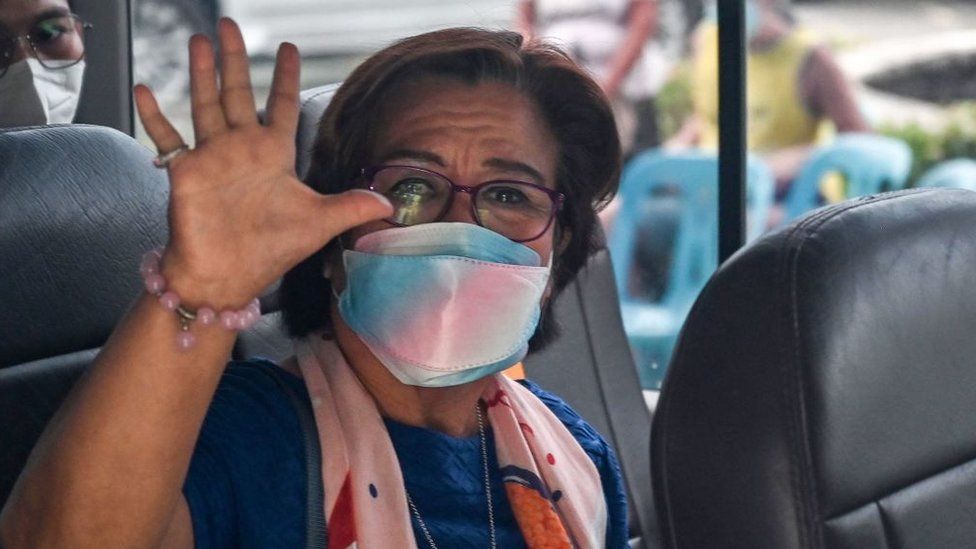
column 443, row 304
column 753, row 17
column 32, row 94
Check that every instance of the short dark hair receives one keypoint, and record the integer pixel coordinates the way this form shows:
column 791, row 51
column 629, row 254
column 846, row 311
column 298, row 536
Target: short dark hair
column 569, row 101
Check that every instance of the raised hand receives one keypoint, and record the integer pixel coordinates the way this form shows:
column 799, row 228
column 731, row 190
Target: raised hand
column 239, row 217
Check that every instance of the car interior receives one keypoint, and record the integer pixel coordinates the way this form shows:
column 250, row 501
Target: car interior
column 804, row 406
column 90, row 237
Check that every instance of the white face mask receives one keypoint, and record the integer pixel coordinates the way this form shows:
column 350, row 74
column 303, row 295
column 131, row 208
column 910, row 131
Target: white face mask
column 32, row 94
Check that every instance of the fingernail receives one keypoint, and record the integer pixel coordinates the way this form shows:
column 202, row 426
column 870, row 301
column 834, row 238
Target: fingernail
column 386, row 202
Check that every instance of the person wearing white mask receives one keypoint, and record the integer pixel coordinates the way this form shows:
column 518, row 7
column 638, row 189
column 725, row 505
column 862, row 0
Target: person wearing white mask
column 452, row 193
column 42, row 62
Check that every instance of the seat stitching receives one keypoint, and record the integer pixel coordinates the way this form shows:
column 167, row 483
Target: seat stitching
column 893, row 491
column 801, row 478
column 886, row 527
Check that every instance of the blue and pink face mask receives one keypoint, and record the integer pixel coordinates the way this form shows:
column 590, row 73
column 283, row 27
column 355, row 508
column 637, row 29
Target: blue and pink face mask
column 443, row 304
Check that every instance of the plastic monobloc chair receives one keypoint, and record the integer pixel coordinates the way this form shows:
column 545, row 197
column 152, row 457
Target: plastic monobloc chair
column 958, row 173
column 689, row 179
column 870, row 164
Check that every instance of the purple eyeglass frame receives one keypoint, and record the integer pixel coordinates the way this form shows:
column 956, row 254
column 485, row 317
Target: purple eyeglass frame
column 556, row 197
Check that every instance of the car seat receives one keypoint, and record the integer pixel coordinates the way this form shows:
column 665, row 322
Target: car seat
column 79, row 205
column 821, row 391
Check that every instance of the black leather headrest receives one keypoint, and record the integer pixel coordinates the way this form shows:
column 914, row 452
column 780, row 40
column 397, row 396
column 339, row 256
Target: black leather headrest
column 823, row 390
column 79, row 205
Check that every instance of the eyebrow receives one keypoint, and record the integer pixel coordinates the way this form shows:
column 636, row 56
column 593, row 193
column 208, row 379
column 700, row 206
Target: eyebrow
column 515, row 166
column 59, row 11
column 49, row 13
column 424, row 156
column 500, row 163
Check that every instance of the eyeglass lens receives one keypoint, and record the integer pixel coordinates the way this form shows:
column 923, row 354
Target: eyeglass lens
column 56, row 42
column 518, row 211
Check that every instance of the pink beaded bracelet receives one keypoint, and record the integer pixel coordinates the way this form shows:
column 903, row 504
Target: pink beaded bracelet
column 156, row 285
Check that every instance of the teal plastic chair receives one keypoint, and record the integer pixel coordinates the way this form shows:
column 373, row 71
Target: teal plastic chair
column 686, row 182
column 959, row 173
column 870, row 164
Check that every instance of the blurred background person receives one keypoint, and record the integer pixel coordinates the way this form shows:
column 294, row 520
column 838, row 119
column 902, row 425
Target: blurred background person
column 608, row 38
column 797, row 95
column 42, row 64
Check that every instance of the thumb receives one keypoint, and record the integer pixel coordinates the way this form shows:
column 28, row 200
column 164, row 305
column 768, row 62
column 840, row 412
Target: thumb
column 344, row 211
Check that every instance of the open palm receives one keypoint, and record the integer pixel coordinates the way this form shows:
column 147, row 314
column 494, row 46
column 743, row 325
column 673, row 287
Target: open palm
column 239, row 216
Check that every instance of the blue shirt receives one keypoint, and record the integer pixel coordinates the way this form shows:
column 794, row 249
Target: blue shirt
column 246, row 482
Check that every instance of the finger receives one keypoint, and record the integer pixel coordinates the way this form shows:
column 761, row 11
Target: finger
column 162, row 133
column 350, row 209
column 235, row 77
column 208, row 116
column 283, row 100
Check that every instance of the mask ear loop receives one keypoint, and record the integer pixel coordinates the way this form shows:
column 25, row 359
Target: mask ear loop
column 327, row 269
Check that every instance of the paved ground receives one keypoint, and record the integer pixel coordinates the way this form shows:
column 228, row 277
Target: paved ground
column 871, row 36
column 854, row 21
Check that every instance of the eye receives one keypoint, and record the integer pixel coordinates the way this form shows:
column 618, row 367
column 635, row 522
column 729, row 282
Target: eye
column 506, row 195
column 50, row 30
column 411, row 189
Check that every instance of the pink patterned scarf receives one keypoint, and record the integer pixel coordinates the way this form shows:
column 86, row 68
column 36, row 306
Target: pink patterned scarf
column 365, row 498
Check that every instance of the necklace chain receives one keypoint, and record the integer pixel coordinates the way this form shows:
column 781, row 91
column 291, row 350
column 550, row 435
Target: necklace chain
column 484, row 466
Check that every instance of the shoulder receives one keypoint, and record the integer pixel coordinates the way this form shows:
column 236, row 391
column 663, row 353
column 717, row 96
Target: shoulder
column 256, row 374
column 245, row 480
column 252, row 389
column 251, row 407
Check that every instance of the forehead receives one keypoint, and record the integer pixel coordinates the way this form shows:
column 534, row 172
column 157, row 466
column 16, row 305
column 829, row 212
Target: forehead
column 453, row 119
column 18, row 15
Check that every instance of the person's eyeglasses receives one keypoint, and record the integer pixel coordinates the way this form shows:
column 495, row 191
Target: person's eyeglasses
column 57, row 42
column 517, row 210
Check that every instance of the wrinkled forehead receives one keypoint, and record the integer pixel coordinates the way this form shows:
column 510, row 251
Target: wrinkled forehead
column 18, row 16
column 451, row 118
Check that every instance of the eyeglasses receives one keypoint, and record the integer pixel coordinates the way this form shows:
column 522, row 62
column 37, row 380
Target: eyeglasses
column 514, row 209
column 57, row 42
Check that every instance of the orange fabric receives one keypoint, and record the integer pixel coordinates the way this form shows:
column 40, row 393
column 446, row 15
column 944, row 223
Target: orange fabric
column 536, row 518
column 516, row 372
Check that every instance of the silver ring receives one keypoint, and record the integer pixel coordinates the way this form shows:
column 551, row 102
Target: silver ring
column 162, row 161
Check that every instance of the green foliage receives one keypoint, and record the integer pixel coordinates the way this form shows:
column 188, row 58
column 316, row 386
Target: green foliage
column 956, row 140
column 673, row 101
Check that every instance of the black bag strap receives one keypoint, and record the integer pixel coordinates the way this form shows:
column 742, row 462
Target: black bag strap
column 316, row 536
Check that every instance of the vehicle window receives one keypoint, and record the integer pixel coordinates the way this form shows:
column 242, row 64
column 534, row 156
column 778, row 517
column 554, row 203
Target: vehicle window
column 333, row 36
column 827, row 95
column 836, row 109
